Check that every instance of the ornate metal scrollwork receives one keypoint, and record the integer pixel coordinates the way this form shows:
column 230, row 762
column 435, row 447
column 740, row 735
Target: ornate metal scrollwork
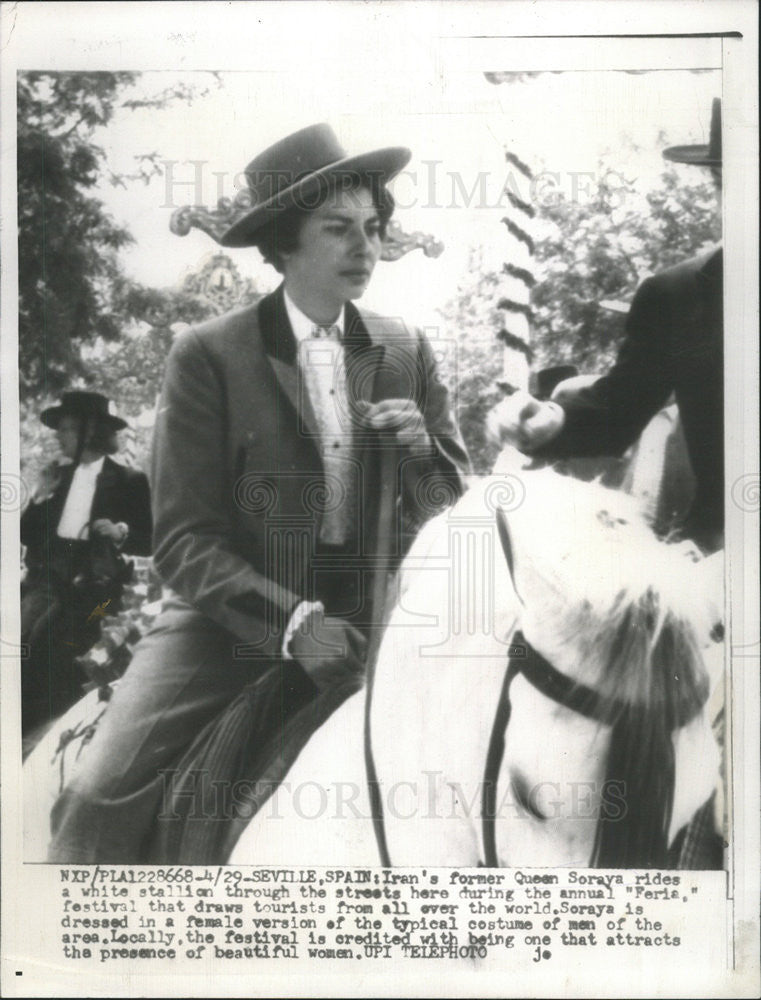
column 220, row 283
column 398, row 243
column 214, row 222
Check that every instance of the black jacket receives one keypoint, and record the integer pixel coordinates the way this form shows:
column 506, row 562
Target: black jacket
column 121, row 494
column 674, row 344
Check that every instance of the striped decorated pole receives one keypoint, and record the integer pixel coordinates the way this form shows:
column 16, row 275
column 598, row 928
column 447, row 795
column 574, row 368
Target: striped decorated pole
column 516, row 278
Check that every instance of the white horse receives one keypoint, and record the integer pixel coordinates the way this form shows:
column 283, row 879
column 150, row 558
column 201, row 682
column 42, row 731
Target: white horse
column 591, row 747
column 607, row 753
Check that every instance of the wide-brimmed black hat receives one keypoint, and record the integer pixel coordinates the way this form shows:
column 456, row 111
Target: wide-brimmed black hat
column 79, row 403
column 701, row 156
column 296, row 169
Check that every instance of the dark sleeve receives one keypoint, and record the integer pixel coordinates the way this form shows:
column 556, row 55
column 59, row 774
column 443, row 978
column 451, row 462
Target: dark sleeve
column 138, row 516
column 30, row 526
column 431, row 484
column 35, row 523
column 195, row 546
column 451, row 458
column 608, row 416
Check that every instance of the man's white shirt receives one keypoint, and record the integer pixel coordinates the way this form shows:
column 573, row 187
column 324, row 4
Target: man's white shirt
column 75, row 518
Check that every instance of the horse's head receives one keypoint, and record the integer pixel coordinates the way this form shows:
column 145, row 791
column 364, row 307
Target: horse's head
column 612, row 672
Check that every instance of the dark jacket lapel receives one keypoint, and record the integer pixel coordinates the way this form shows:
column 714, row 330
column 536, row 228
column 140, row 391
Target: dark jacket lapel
column 107, row 488
column 280, row 345
column 364, row 357
column 58, row 500
column 364, row 361
column 710, row 278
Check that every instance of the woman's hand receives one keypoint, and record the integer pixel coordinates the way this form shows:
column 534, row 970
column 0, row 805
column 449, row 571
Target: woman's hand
column 404, row 419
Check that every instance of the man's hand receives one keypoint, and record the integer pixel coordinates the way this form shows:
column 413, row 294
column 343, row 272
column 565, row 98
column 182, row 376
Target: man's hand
column 328, row 649
column 116, row 532
column 403, row 418
column 525, row 422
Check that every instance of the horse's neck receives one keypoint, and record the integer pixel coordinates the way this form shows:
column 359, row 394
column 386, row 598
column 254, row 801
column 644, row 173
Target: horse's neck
column 436, row 689
column 456, row 606
column 445, row 653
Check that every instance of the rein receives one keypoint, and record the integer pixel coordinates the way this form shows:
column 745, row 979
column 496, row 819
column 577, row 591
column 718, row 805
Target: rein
column 386, row 536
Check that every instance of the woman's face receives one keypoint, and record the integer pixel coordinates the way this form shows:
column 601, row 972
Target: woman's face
column 68, row 435
column 68, row 432
column 339, row 246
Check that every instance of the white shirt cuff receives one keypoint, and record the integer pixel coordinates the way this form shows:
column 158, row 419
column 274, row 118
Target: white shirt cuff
column 300, row 614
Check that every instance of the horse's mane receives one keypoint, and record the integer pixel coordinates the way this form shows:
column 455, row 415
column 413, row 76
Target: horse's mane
column 633, row 611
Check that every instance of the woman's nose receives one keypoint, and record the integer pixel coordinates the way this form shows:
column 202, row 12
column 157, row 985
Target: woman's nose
column 363, row 242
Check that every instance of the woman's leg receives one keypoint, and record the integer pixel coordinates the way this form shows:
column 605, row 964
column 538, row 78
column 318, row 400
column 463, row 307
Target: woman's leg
column 182, row 674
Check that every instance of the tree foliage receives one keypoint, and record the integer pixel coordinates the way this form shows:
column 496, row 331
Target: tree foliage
column 82, row 321
column 590, row 256
column 68, row 242
column 471, row 321
column 72, row 290
column 599, row 250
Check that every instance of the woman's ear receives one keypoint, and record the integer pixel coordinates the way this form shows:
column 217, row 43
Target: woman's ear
column 507, row 548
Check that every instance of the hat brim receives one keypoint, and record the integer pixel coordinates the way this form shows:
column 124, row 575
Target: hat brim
column 696, row 156
column 384, row 164
column 54, row 414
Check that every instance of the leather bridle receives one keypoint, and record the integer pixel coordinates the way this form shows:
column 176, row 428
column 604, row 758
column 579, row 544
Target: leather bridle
column 540, row 673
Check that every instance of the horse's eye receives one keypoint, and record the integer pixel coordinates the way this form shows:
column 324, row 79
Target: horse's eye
column 717, row 632
column 523, row 795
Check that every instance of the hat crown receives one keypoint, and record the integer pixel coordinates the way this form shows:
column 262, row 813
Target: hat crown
column 84, row 401
column 289, row 160
column 701, row 155
column 714, row 141
column 297, row 172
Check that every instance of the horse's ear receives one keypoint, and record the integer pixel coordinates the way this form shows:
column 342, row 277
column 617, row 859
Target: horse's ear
column 507, row 548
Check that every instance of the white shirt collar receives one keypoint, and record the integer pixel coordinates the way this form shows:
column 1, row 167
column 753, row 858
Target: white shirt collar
column 301, row 324
column 92, row 469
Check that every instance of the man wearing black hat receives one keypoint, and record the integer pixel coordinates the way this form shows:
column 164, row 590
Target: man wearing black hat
column 674, row 344
column 85, row 513
column 270, row 474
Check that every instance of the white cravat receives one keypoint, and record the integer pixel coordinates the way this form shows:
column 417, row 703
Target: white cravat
column 75, row 518
column 321, row 360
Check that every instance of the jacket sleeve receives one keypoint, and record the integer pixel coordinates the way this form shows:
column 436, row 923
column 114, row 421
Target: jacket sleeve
column 35, row 520
column 30, row 525
column 138, row 516
column 195, row 548
column 608, row 416
column 431, row 484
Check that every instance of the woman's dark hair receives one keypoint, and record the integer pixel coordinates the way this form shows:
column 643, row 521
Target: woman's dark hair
column 281, row 235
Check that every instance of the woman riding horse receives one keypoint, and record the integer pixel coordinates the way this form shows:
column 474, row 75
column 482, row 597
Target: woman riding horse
column 537, row 700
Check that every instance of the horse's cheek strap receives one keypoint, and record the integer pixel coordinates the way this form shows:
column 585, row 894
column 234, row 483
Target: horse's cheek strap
column 493, row 763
